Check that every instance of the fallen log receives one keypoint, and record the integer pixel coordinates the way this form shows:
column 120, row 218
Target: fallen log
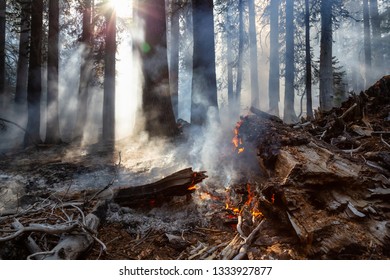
column 180, row 183
column 325, row 198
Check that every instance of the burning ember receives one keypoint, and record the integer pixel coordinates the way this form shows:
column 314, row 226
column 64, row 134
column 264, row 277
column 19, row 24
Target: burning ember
column 237, row 140
column 248, row 203
column 192, row 188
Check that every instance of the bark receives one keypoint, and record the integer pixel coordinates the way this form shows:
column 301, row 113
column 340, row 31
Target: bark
column 326, row 67
column 2, row 52
column 255, row 93
column 22, row 66
column 230, row 62
column 177, row 184
column 240, row 58
column 157, row 103
column 180, row 183
column 85, row 70
column 289, row 112
column 308, row 80
column 273, row 81
column 52, row 111
column 174, row 56
column 109, row 77
column 377, row 48
column 204, row 85
column 367, row 44
column 34, row 86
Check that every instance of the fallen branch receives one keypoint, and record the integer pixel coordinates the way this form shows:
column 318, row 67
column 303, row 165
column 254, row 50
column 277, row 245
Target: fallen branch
column 73, row 245
column 239, row 229
column 48, row 229
column 248, row 242
column 384, row 142
column 30, row 243
column 302, row 124
column 350, row 151
column 348, row 111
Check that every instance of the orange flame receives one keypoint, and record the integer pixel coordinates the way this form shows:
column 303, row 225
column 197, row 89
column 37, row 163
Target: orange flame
column 250, row 203
column 192, row 188
column 237, row 140
column 234, row 209
column 256, row 213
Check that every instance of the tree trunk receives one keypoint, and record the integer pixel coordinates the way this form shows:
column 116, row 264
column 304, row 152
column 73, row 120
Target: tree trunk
column 34, row 87
column 326, row 68
column 52, row 117
column 377, row 47
column 255, row 93
column 2, row 52
column 367, row 44
column 230, row 62
column 109, row 77
column 85, row 70
column 157, row 103
column 204, row 84
column 174, row 56
column 22, row 66
column 273, row 81
column 309, row 103
column 240, row 58
column 289, row 112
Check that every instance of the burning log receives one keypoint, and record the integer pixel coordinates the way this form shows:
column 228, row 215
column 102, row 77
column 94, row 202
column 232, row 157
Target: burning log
column 330, row 195
column 180, row 183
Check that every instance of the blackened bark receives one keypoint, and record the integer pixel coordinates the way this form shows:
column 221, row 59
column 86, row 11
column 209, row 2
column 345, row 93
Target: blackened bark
column 34, row 87
column 52, row 113
column 326, row 67
column 156, row 98
column 204, row 85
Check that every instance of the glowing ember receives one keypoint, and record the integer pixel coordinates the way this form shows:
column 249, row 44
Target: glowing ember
column 256, row 213
column 250, row 205
column 192, row 188
column 237, row 140
column 234, row 209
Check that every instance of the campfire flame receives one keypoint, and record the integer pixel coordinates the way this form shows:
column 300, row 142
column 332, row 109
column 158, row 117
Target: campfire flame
column 237, row 140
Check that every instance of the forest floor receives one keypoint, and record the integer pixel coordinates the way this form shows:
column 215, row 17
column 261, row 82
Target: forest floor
column 315, row 190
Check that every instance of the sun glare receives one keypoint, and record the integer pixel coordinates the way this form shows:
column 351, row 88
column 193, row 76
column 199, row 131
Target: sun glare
column 123, row 8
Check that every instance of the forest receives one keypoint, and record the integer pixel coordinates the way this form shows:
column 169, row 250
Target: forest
column 194, row 129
